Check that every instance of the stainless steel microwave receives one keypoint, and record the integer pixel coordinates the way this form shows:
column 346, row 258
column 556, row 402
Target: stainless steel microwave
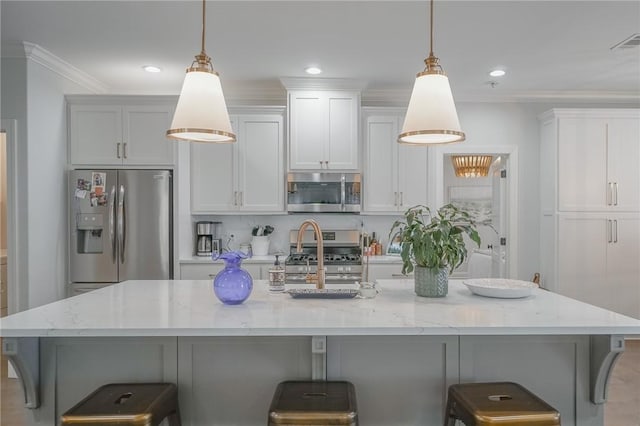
column 326, row 192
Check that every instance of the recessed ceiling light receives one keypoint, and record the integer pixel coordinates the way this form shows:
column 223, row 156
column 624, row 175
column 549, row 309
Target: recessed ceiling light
column 151, row 68
column 313, row 70
column 497, row 73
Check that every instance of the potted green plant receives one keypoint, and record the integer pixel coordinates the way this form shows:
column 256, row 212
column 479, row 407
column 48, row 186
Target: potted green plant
column 260, row 240
column 433, row 245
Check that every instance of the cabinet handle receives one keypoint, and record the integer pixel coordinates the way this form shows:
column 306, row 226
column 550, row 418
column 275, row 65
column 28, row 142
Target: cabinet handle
column 610, row 194
column 402, row 198
column 395, row 198
column 326, row 165
column 615, row 193
column 118, row 150
column 241, row 198
column 321, row 164
column 615, row 231
column 212, row 275
column 609, row 231
column 235, row 198
column 124, row 149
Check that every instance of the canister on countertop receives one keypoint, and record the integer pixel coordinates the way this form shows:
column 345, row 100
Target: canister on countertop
column 276, row 277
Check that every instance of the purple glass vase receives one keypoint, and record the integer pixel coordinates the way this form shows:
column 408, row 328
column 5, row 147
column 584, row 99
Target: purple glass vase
column 233, row 284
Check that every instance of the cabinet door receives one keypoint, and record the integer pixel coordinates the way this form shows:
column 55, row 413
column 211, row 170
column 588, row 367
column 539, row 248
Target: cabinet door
column 144, row 137
column 341, row 151
column 387, row 271
column 206, row 271
column 582, row 165
column 582, row 258
column 623, row 159
column 260, row 163
column 412, row 176
column 381, row 160
column 623, row 265
column 213, row 177
column 95, row 132
column 307, row 128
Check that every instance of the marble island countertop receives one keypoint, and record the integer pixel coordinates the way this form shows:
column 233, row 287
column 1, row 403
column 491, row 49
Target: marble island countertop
column 190, row 308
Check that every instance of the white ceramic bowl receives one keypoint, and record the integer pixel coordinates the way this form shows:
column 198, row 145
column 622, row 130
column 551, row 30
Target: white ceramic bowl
column 500, row 287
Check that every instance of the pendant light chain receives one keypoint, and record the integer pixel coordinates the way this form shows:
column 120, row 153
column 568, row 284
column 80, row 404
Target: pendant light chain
column 204, row 12
column 431, row 40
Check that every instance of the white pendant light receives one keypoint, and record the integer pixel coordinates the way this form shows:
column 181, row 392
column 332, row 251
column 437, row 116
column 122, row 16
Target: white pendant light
column 431, row 116
column 201, row 114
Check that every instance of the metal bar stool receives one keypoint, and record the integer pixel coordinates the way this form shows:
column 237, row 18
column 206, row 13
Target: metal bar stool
column 313, row 403
column 500, row 403
column 127, row 404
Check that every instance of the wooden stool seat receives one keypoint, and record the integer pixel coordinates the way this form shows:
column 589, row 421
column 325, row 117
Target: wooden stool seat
column 500, row 403
column 127, row 404
column 314, row 403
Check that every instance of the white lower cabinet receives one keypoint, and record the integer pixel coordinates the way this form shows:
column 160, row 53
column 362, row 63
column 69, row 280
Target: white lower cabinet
column 73, row 367
column 384, row 271
column 399, row 380
column 599, row 260
column 394, row 382
column 208, row 271
column 555, row 368
column 246, row 176
column 231, row 380
column 395, row 176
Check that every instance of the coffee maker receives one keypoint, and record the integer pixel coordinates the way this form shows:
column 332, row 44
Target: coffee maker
column 206, row 238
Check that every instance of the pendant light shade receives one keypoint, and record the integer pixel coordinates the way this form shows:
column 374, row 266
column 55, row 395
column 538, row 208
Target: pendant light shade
column 201, row 114
column 431, row 116
column 471, row 166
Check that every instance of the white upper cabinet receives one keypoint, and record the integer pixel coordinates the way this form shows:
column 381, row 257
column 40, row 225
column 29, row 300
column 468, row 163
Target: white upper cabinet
column 108, row 131
column 246, row 176
column 395, row 176
column 598, row 153
column 323, row 130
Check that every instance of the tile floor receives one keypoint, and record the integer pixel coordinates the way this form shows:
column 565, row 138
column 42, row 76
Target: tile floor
column 622, row 409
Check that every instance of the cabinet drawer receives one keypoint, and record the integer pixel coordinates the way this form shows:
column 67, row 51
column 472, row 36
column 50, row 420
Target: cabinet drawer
column 209, row 271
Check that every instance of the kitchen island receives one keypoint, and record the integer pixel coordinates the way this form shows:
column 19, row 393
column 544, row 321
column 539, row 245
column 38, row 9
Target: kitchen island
column 400, row 351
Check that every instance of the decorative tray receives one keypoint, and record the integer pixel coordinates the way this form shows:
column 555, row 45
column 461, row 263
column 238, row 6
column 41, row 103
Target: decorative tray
column 324, row 293
column 500, row 287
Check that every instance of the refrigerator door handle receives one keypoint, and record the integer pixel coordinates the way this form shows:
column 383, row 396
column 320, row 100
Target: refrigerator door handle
column 121, row 222
column 112, row 225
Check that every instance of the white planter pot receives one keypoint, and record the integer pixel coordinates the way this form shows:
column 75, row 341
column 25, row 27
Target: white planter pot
column 260, row 246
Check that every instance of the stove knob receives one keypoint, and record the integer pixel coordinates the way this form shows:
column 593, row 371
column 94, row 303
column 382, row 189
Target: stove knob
column 301, row 269
column 348, row 269
column 340, row 268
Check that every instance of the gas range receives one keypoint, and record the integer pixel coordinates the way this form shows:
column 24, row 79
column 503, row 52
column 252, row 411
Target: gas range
column 342, row 257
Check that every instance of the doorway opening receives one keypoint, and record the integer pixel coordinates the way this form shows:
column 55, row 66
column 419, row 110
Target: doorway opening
column 484, row 195
column 492, row 199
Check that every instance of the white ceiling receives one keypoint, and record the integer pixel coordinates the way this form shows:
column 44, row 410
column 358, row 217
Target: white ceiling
column 555, row 49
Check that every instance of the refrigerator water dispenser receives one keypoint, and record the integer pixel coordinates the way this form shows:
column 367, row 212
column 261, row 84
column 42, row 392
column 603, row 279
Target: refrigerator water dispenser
column 89, row 228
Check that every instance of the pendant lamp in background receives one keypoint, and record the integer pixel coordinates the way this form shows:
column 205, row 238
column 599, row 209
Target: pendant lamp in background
column 471, row 166
column 431, row 116
column 201, row 114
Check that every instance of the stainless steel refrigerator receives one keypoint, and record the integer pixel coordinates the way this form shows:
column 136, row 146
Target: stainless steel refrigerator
column 121, row 227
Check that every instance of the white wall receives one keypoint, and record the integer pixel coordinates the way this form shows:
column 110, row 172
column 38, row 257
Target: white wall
column 14, row 107
column 47, row 188
column 34, row 96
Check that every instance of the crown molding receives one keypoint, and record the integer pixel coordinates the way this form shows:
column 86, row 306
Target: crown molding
column 247, row 95
column 35, row 53
column 311, row 83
